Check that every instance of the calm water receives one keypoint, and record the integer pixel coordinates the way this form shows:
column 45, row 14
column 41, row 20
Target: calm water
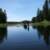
column 25, row 37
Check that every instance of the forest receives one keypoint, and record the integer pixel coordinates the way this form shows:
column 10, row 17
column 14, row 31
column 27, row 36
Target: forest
column 42, row 15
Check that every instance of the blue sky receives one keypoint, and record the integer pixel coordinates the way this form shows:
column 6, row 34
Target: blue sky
column 18, row 10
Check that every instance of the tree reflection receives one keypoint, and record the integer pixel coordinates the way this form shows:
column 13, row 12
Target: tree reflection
column 3, row 34
column 45, row 32
column 26, row 26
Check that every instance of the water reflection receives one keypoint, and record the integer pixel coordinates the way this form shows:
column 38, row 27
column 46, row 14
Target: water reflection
column 3, row 34
column 44, row 32
column 26, row 26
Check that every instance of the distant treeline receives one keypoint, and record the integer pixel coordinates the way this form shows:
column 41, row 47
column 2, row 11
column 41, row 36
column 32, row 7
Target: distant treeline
column 13, row 22
column 3, row 16
column 42, row 14
column 25, row 21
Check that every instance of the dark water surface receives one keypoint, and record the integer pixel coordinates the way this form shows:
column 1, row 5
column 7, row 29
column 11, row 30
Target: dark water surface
column 25, row 37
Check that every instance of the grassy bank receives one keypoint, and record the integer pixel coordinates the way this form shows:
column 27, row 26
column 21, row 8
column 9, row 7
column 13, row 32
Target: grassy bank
column 43, row 23
column 3, row 25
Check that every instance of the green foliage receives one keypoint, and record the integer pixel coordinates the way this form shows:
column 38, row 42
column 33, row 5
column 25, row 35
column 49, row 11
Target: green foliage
column 34, row 19
column 42, row 14
column 2, row 16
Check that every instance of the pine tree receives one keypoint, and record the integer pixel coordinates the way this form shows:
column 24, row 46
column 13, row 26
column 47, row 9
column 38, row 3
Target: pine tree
column 45, row 9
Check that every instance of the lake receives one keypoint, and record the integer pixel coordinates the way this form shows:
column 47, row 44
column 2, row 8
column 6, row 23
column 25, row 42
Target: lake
column 24, row 37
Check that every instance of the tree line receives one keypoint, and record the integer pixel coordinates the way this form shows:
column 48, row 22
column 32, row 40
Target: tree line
column 42, row 14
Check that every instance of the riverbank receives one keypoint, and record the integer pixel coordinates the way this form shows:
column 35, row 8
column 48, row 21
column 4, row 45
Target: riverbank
column 43, row 23
column 3, row 25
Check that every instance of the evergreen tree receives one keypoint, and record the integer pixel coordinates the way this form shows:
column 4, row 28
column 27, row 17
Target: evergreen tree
column 45, row 9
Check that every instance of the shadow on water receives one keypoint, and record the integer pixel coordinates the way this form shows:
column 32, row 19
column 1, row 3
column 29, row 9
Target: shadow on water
column 26, row 26
column 45, row 32
column 3, row 34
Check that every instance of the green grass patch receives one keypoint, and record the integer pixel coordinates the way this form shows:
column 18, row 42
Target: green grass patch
column 43, row 23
